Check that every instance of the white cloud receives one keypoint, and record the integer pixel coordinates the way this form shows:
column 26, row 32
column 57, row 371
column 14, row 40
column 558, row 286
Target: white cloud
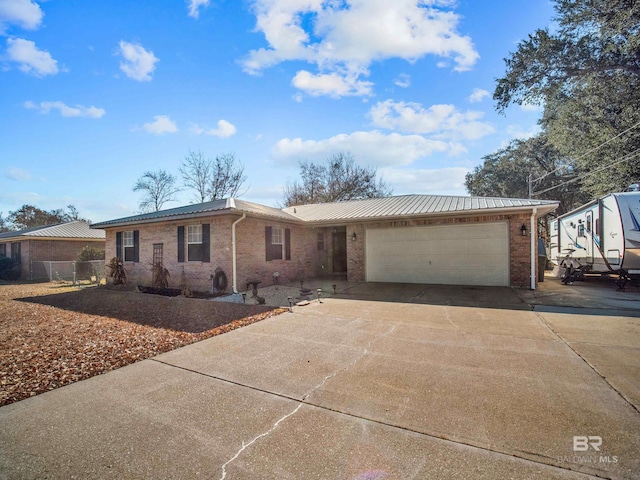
column 443, row 121
column 403, row 80
column 374, row 147
column 17, row 174
column 331, row 84
column 23, row 13
column 195, row 6
column 225, row 129
column 346, row 36
column 441, row 181
column 138, row 63
column 162, row 124
column 66, row 110
column 478, row 95
column 32, row 60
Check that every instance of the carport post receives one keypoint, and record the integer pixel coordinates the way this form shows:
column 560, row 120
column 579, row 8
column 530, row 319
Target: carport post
column 534, row 235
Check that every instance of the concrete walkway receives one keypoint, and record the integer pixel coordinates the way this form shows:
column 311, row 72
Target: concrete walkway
column 429, row 384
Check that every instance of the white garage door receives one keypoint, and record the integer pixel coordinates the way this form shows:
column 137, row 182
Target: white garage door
column 449, row 255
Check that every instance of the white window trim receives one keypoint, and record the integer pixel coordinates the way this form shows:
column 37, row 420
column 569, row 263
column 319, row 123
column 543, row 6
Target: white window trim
column 277, row 236
column 127, row 239
column 191, row 234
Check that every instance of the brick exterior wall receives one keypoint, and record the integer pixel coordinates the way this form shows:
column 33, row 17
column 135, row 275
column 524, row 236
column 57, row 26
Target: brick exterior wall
column 306, row 260
column 36, row 250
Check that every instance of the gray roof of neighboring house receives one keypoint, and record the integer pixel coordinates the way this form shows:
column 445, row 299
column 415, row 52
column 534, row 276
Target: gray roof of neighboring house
column 215, row 207
column 412, row 205
column 367, row 209
column 75, row 229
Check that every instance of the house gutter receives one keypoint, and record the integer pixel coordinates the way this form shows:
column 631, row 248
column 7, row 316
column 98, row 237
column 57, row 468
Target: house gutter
column 534, row 239
column 233, row 248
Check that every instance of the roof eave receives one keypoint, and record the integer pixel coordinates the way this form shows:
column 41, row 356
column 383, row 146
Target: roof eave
column 189, row 216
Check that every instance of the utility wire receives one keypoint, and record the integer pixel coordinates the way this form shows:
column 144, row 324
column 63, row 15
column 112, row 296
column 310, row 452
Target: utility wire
column 629, row 156
column 589, row 151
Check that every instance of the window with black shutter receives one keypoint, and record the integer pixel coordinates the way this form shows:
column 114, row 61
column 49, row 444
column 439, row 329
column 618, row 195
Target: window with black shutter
column 129, row 243
column 277, row 243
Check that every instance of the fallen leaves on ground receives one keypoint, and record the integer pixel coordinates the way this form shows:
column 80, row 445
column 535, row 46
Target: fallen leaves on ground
column 53, row 335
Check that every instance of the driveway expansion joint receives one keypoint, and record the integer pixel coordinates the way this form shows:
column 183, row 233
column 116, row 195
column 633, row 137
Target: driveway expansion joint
column 519, row 455
column 592, row 367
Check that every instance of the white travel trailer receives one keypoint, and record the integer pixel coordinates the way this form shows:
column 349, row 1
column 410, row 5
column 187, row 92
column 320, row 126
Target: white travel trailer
column 602, row 236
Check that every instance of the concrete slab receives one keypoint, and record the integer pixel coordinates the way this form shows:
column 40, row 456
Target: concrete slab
column 353, row 388
column 610, row 344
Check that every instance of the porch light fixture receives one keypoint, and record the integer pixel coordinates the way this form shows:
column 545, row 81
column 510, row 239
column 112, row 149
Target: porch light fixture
column 353, row 237
column 523, row 230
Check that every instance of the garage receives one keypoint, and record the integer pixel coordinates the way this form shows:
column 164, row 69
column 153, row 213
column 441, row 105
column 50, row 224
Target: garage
column 467, row 254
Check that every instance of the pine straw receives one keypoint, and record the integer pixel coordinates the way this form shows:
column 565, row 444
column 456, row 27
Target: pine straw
column 53, row 335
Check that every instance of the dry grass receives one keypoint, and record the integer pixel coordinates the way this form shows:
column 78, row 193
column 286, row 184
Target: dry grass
column 53, row 335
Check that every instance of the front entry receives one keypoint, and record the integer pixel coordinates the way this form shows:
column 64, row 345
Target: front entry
column 339, row 250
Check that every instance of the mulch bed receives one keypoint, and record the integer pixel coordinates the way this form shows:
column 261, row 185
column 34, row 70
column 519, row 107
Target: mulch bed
column 53, row 335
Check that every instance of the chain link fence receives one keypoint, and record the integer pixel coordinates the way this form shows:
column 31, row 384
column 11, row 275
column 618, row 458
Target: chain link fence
column 91, row 271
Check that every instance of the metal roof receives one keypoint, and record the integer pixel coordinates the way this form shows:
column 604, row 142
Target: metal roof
column 76, row 229
column 215, row 207
column 368, row 209
column 413, row 205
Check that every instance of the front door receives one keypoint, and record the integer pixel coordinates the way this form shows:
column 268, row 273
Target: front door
column 339, row 244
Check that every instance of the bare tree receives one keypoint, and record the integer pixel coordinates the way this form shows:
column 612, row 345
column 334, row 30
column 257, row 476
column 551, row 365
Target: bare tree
column 338, row 179
column 196, row 173
column 227, row 177
column 212, row 179
column 158, row 188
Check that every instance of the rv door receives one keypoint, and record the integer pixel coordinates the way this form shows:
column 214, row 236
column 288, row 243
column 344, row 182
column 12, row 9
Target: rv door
column 589, row 240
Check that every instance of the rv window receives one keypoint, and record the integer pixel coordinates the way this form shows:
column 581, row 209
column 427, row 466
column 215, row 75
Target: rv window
column 581, row 230
column 589, row 224
column 597, row 226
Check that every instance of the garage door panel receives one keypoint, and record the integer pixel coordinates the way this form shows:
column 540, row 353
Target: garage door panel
column 453, row 254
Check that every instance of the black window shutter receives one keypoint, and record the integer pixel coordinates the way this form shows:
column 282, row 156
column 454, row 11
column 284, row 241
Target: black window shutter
column 136, row 245
column 119, row 253
column 180, row 244
column 206, row 242
column 287, row 244
column 267, row 241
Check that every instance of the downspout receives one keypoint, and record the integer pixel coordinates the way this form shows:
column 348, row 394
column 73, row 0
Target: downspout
column 233, row 253
column 534, row 239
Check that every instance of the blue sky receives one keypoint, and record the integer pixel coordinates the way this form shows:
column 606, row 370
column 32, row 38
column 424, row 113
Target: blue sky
column 93, row 94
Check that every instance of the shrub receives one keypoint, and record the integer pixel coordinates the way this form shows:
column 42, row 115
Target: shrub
column 118, row 273
column 89, row 253
column 9, row 270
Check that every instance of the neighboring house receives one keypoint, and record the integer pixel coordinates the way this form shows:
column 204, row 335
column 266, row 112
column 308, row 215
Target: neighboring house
column 412, row 238
column 61, row 242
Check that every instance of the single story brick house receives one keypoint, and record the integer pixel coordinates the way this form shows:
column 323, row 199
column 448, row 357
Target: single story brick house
column 408, row 239
column 49, row 243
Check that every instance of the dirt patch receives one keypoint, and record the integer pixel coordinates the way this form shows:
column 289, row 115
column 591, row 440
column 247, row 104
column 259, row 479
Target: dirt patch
column 52, row 336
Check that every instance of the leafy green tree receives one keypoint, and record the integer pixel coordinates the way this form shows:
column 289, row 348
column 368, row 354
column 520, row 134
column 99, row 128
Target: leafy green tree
column 4, row 227
column 586, row 75
column 338, row 179
column 505, row 173
column 158, row 188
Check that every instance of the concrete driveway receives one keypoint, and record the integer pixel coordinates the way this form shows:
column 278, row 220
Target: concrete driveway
column 379, row 382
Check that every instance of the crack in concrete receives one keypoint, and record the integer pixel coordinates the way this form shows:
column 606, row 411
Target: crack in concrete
column 302, row 402
column 247, row 445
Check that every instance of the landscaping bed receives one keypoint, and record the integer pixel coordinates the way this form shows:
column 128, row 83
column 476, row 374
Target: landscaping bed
column 53, row 335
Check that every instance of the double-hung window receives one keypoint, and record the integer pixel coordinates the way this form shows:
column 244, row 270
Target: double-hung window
column 277, row 243
column 3, row 249
column 128, row 245
column 194, row 243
